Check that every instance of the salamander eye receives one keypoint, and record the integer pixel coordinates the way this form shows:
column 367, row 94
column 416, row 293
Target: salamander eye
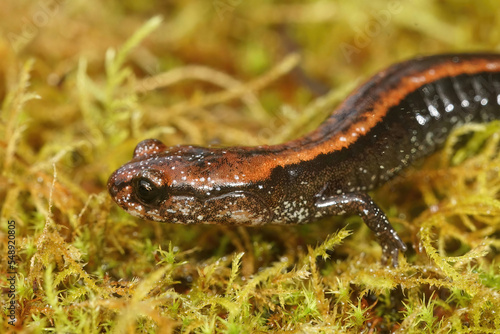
column 146, row 191
column 149, row 186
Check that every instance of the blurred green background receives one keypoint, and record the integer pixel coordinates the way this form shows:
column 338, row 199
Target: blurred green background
column 76, row 97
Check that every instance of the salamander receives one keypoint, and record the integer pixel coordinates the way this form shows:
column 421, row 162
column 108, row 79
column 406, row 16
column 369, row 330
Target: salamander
column 401, row 114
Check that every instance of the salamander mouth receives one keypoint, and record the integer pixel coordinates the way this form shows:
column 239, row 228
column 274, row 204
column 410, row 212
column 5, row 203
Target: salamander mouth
column 175, row 209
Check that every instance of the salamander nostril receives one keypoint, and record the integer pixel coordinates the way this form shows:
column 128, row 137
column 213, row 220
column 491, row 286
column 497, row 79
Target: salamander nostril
column 111, row 186
column 115, row 183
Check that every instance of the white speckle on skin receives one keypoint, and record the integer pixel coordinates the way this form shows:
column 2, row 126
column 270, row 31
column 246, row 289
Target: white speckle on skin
column 434, row 112
column 420, row 119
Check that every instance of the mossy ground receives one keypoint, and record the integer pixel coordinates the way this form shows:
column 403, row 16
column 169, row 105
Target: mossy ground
column 81, row 82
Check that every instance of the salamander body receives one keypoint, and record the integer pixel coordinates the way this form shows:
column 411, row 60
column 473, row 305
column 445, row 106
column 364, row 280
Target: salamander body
column 400, row 115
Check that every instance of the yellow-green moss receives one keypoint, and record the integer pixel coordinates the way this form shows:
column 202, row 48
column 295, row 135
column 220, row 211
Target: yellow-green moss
column 81, row 88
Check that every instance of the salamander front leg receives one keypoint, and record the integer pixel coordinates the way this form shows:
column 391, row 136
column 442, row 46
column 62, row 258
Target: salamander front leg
column 361, row 204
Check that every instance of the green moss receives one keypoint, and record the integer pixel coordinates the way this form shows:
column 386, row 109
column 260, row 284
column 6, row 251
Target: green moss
column 80, row 91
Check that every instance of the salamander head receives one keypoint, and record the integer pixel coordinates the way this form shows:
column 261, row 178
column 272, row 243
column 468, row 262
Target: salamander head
column 184, row 184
